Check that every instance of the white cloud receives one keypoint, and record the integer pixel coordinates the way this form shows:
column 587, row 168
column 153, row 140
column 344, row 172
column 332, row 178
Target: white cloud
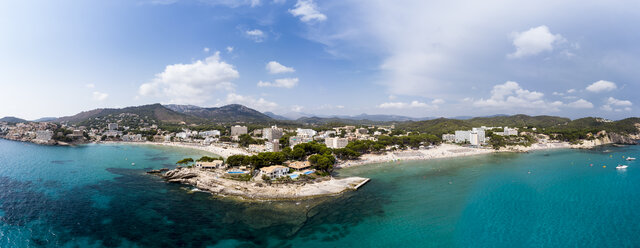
column 260, row 104
column 279, row 1
column 307, row 11
column 192, row 83
column 90, row 86
column 229, row 3
column 557, row 93
column 617, row 105
column 534, row 41
column 617, row 102
column 571, row 90
column 296, row 108
column 510, row 96
column 229, row 49
column 99, row 96
column 274, row 67
column 280, row 83
column 256, row 35
column 581, row 103
column 437, row 101
column 206, row 50
column 601, row 86
column 403, row 105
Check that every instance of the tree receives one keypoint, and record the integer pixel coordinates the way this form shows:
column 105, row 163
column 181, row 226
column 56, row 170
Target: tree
column 207, row 159
column 185, row 161
column 237, row 160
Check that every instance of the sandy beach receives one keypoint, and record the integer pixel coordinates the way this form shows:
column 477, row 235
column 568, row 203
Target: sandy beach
column 440, row 151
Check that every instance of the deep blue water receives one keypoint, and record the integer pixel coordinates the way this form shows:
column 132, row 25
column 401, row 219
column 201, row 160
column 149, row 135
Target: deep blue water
column 91, row 196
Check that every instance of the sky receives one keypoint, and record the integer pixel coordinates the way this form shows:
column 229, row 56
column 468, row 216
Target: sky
column 415, row 58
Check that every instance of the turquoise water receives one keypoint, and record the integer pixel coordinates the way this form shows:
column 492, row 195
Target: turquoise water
column 91, row 196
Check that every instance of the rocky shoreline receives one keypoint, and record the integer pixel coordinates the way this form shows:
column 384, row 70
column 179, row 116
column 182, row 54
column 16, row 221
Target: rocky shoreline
column 215, row 182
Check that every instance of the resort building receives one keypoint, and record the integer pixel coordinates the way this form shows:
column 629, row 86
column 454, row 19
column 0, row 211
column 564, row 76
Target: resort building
column 274, row 171
column 112, row 126
column 272, row 133
column 272, row 146
column 462, row 136
column 336, row 142
column 306, row 132
column 238, row 130
column 474, row 138
column 299, row 165
column 447, row 137
column 299, row 139
column 44, row 135
column 210, row 133
column 465, row 136
column 216, row 164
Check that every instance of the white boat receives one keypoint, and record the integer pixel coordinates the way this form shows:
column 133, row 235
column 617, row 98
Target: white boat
column 631, row 159
column 621, row 167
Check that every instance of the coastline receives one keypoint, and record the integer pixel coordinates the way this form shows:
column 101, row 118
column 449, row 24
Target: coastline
column 215, row 183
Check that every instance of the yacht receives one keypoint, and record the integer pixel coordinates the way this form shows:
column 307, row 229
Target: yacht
column 621, row 167
column 631, row 159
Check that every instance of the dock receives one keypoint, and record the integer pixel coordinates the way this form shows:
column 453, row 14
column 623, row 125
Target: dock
column 362, row 183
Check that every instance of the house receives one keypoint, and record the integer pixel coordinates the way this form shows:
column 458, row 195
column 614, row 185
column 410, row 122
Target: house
column 215, row 164
column 274, row 171
column 299, row 165
column 336, row 142
column 238, row 130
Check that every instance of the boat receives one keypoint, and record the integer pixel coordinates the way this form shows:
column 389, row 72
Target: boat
column 621, row 167
column 631, row 159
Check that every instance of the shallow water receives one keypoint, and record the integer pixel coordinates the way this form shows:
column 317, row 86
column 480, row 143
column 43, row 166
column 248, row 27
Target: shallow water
column 91, row 196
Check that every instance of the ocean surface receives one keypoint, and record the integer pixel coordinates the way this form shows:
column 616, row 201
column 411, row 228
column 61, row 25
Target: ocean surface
column 92, row 196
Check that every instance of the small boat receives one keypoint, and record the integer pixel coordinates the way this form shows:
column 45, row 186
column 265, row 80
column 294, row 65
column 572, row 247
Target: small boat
column 621, row 167
column 631, row 159
column 133, row 164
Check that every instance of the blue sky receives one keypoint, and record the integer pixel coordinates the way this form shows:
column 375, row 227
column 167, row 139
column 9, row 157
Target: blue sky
column 410, row 57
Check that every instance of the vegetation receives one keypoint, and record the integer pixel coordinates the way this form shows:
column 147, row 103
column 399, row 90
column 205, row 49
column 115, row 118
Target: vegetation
column 207, row 159
column 185, row 161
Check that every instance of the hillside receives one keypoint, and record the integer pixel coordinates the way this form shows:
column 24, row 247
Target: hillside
column 154, row 112
column 225, row 114
column 551, row 124
column 11, row 119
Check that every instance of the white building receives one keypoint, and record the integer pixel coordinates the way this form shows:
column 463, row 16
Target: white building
column 474, row 138
column 462, row 136
column 215, row 164
column 336, row 142
column 299, row 139
column 44, row 135
column 307, row 132
column 275, row 171
column 210, row 133
column 273, row 146
column 112, row 126
column 447, row 137
column 272, row 133
column 132, row 138
column 183, row 135
column 238, row 130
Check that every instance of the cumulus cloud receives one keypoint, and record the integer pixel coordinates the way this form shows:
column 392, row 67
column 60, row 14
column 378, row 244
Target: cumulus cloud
column 99, row 96
column 510, row 96
column 229, row 3
column 437, row 101
column 581, row 103
column 229, row 49
column 307, row 11
column 571, row 91
column 191, row 83
column 404, row 105
column 296, row 108
column 274, row 67
column 602, row 86
column 260, row 103
column 534, row 41
column 256, row 35
column 280, row 83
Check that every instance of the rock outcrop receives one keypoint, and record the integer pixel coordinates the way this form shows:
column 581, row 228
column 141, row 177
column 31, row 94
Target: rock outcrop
column 215, row 182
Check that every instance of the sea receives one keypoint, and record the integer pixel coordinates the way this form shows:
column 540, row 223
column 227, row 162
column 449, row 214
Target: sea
column 98, row 195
